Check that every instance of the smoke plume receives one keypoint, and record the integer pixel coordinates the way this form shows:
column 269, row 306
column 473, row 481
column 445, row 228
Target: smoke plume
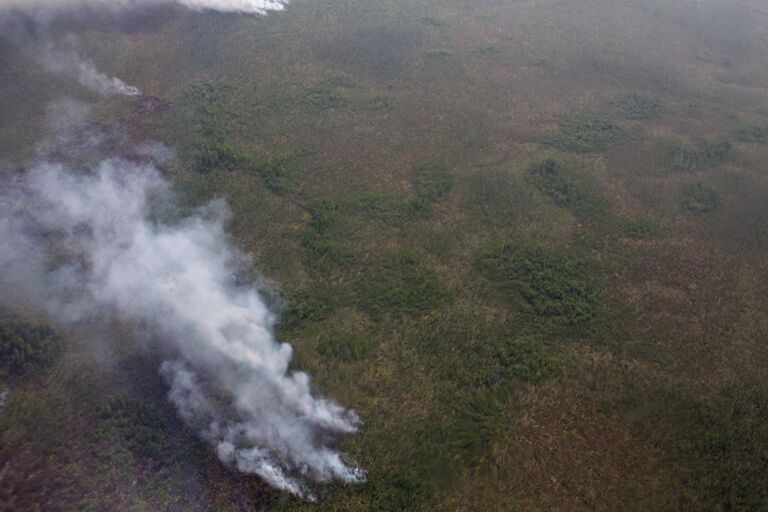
column 234, row 6
column 68, row 62
column 26, row 23
column 100, row 244
column 103, row 243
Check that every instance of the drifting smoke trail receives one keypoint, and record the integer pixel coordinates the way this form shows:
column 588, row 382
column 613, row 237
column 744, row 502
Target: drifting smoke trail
column 32, row 36
column 26, row 24
column 234, row 6
column 90, row 245
column 82, row 246
column 67, row 62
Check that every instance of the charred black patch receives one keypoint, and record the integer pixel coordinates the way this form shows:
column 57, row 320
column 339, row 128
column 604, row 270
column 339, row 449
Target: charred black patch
column 149, row 105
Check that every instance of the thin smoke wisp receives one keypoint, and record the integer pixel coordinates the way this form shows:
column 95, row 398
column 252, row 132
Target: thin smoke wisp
column 85, row 246
column 26, row 23
column 233, row 6
column 68, row 62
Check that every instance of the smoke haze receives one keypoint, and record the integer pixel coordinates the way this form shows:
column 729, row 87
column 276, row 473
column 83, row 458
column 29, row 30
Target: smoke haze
column 88, row 246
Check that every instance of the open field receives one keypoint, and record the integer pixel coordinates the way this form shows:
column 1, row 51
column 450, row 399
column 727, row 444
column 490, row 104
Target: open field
column 524, row 240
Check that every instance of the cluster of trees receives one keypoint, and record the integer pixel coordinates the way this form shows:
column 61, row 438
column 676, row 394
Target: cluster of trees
column 26, row 347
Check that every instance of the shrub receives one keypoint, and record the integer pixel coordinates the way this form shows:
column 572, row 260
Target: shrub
column 525, row 359
column 389, row 491
column 642, row 228
column 33, row 477
column 27, row 347
column 701, row 198
column 477, row 425
column 327, row 215
column 550, row 285
column 311, row 305
column 203, row 110
column 566, row 189
column 683, row 157
column 336, row 214
column 375, row 104
column 139, row 424
column 585, row 133
column 488, row 50
column 340, row 81
column 637, row 106
column 467, row 351
column 495, row 196
column 385, row 208
column 344, row 347
column 205, row 99
column 323, row 253
column 718, row 445
column 215, row 155
column 333, row 219
column 755, row 134
column 325, row 242
column 432, row 182
column 281, row 173
column 398, row 285
column 322, row 98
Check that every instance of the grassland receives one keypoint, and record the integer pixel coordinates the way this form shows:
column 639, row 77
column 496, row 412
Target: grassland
column 523, row 240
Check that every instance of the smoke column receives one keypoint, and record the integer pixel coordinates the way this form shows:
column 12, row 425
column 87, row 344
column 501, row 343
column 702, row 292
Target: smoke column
column 89, row 245
column 86, row 246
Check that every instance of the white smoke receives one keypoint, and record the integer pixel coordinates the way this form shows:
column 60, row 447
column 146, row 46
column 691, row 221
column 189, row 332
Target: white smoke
column 68, row 62
column 26, row 23
column 34, row 40
column 233, row 6
column 90, row 245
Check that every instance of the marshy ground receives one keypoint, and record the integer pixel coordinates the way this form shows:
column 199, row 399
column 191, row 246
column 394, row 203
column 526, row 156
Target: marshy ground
column 524, row 240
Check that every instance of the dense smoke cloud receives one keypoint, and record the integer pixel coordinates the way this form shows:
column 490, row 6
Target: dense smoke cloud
column 93, row 244
column 85, row 246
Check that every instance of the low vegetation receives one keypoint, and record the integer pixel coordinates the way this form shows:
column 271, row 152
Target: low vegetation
column 549, row 285
column 203, row 113
column 281, row 173
column 309, row 305
column 468, row 288
column 638, row 106
column 322, row 98
column 701, row 198
column 719, row 446
column 431, row 182
column 344, row 346
column 585, row 133
column 754, row 134
column 478, row 424
column 335, row 222
column 27, row 347
column 137, row 424
column 642, row 228
column 566, row 189
column 496, row 196
column 702, row 155
column 399, row 285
